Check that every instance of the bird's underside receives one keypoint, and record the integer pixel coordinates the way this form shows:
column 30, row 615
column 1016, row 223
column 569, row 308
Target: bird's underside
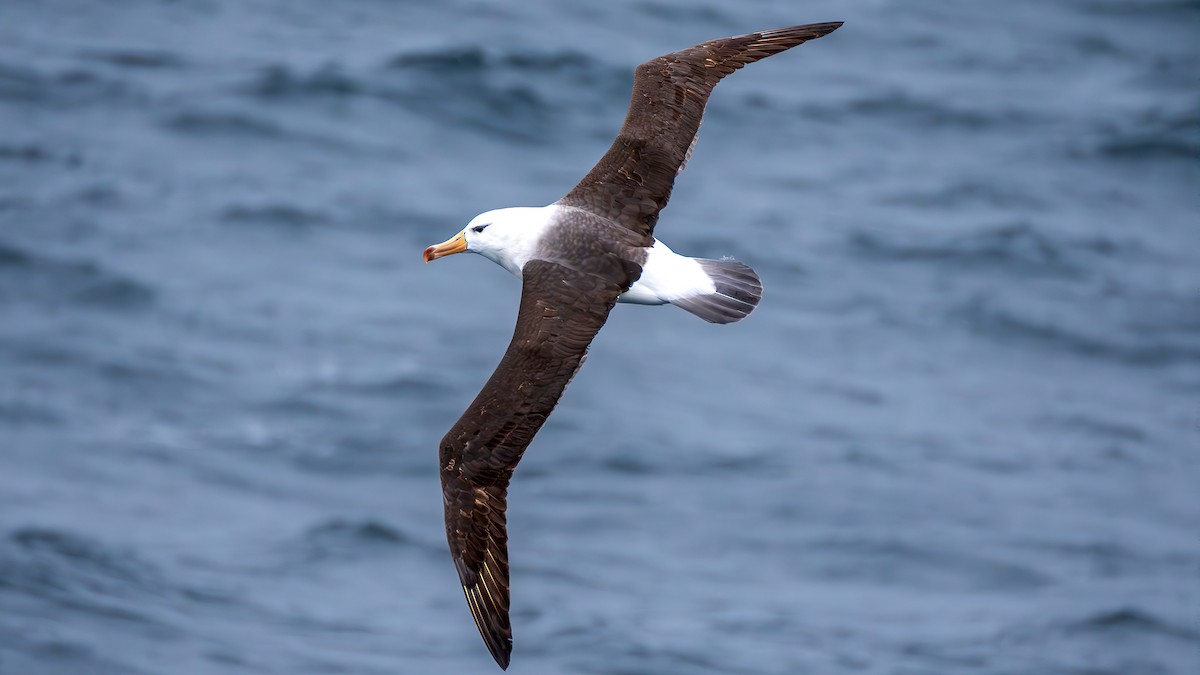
column 565, row 301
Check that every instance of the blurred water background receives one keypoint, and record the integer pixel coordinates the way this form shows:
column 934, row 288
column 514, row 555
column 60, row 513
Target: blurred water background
column 960, row 434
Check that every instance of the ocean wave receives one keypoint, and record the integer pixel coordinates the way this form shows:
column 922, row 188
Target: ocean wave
column 1130, row 620
column 1123, row 623
column 60, row 656
column 48, row 281
column 78, row 572
column 424, row 67
column 305, row 405
column 340, row 533
column 913, row 110
column 418, row 385
column 229, row 123
column 517, row 94
column 510, row 93
column 11, row 256
column 1102, row 429
column 367, row 449
column 966, row 193
column 235, row 124
column 341, row 539
column 11, row 203
column 636, row 461
column 95, row 362
column 281, row 81
column 905, row 563
column 1123, row 638
column 18, row 413
column 1154, row 135
column 31, row 153
column 72, row 86
column 1112, row 342
column 515, row 113
column 446, row 60
column 475, row 60
column 136, row 58
column 629, row 464
column 290, row 215
column 511, row 109
column 677, row 12
column 1092, row 45
column 60, row 545
column 1168, row 9
column 1019, row 246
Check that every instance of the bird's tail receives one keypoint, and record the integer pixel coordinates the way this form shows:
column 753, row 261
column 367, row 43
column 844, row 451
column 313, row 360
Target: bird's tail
column 737, row 292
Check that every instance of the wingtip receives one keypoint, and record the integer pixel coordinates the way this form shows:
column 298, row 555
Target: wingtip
column 497, row 641
column 822, row 29
column 502, row 652
column 802, row 33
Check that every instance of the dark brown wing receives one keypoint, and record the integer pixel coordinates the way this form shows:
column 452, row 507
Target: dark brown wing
column 633, row 181
column 561, row 311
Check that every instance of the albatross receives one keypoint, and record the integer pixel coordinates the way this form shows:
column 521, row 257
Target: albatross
column 576, row 258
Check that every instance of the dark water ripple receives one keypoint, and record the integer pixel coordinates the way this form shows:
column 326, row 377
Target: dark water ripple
column 82, row 575
column 136, row 58
column 198, row 123
column 1154, row 136
column 514, row 90
column 339, row 540
column 1133, row 347
column 282, row 214
column 895, row 563
column 475, row 60
column 1019, row 248
column 32, row 153
column 957, row 436
column 242, row 125
column 61, row 88
column 1131, row 620
column 45, row 281
column 279, row 81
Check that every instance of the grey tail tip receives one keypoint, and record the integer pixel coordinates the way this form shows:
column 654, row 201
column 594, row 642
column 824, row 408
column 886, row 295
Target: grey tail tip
column 736, row 293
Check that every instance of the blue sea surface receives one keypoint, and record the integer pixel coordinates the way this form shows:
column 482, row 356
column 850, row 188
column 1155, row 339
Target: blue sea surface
column 961, row 433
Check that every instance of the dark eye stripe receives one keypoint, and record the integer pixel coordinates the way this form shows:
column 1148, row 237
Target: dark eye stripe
column 479, row 228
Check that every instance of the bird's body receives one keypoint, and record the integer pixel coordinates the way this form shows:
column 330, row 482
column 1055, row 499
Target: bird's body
column 513, row 236
column 576, row 259
column 667, row 276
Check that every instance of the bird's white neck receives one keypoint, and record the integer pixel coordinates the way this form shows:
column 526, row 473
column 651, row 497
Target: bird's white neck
column 510, row 238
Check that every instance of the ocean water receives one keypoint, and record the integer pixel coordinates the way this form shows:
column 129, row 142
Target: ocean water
column 961, row 433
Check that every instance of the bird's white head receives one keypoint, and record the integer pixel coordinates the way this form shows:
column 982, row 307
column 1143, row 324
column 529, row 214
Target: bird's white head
column 507, row 237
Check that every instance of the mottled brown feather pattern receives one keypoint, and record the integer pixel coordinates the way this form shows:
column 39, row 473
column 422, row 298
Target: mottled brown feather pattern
column 592, row 255
column 633, row 181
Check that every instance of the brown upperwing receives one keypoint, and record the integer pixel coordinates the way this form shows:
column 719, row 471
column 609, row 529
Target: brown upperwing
column 633, row 181
column 561, row 310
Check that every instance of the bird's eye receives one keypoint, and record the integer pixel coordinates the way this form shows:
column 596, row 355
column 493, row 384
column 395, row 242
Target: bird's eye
column 479, row 228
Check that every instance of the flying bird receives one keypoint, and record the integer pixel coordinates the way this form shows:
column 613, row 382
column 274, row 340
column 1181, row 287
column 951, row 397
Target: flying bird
column 576, row 258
